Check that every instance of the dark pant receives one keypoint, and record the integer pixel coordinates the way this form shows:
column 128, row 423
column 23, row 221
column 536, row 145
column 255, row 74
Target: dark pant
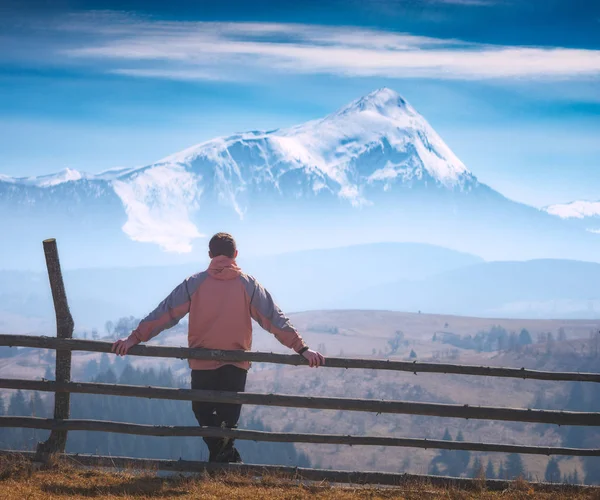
column 226, row 378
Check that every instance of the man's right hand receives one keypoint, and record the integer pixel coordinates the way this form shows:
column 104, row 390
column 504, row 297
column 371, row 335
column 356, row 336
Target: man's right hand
column 120, row 347
column 315, row 359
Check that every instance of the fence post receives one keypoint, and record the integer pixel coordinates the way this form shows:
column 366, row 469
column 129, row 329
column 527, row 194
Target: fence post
column 64, row 330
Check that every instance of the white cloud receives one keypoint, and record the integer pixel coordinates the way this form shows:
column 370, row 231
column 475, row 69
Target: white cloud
column 172, row 74
column 485, row 3
column 145, row 48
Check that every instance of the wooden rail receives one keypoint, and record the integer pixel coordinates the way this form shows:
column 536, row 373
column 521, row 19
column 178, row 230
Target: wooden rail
column 281, row 437
column 287, row 359
column 320, row 403
column 300, row 473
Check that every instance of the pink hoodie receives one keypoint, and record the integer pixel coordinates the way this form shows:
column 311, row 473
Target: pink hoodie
column 221, row 302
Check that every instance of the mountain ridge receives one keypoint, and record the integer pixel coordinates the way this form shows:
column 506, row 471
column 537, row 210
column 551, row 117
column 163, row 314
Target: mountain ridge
column 372, row 171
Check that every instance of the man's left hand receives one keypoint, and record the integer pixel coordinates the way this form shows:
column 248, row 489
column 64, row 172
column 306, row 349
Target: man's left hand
column 315, row 359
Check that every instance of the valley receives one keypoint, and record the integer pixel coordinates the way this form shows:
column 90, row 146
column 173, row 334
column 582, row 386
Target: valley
column 561, row 345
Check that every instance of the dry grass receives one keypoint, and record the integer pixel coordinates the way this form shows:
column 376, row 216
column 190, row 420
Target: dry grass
column 20, row 480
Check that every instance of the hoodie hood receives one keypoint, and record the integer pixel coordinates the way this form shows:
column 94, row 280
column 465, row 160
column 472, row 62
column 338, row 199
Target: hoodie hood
column 223, row 268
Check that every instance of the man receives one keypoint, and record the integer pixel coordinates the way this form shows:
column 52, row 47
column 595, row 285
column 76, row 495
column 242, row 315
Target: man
column 221, row 302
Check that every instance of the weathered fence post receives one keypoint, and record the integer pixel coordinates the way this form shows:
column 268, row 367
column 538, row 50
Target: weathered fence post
column 64, row 330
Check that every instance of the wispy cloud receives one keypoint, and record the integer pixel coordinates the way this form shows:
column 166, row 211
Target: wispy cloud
column 142, row 47
column 483, row 3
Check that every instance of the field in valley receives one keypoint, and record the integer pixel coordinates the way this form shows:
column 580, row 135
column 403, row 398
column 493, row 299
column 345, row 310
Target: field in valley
column 377, row 334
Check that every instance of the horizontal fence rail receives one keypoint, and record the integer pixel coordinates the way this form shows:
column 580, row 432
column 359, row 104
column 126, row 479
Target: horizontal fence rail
column 280, row 437
column 320, row 403
column 287, row 359
column 300, row 473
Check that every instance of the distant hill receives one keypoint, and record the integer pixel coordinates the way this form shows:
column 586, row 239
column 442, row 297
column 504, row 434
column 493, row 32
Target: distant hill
column 300, row 280
column 533, row 289
column 385, row 276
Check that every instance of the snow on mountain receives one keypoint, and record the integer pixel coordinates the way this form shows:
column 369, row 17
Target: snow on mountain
column 329, row 151
column 7, row 179
column 375, row 146
column 66, row 175
column 583, row 214
column 575, row 209
column 113, row 173
column 158, row 202
column 374, row 141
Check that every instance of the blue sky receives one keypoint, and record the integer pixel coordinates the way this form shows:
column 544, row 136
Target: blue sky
column 512, row 87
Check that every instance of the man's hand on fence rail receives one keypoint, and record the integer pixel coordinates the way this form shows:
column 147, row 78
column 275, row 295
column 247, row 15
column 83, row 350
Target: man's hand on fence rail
column 315, row 359
column 120, row 347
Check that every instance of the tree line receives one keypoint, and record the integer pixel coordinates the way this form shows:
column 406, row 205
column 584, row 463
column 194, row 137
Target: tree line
column 463, row 463
column 134, row 410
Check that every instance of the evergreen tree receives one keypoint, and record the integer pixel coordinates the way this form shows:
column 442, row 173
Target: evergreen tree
column 514, row 466
column 17, row 439
column 434, row 470
column 36, row 404
column 445, row 454
column 104, row 363
column 489, row 470
column 109, row 377
column 574, row 436
column 501, row 471
column 477, row 469
column 562, row 336
column 525, row 337
column 109, row 327
column 552, row 474
column 513, row 342
column 18, row 405
column 413, row 354
column 549, row 343
column 460, row 458
column 90, row 371
column 576, row 401
column 591, row 468
column 120, row 363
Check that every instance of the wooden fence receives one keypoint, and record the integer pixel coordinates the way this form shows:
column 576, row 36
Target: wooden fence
column 60, row 425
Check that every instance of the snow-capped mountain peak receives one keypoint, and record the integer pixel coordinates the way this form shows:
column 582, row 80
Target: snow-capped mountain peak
column 375, row 147
column 385, row 119
column 384, row 101
column 335, row 149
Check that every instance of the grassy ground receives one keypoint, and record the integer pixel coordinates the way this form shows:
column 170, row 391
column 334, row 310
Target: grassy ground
column 20, row 480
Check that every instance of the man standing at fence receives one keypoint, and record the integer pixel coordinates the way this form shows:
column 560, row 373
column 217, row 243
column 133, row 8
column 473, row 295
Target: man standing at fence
column 221, row 302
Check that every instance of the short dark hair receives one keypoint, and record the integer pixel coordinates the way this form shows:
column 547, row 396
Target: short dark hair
column 222, row 244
